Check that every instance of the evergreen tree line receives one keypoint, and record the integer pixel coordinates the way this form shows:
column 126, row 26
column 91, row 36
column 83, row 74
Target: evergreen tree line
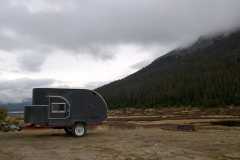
column 195, row 76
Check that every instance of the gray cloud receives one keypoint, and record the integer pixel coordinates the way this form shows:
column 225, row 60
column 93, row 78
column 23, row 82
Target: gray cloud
column 20, row 89
column 141, row 64
column 94, row 85
column 93, row 23
column 94, row 27
column 31, row 62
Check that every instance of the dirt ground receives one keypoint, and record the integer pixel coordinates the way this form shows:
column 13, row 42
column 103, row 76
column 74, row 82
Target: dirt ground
column 109, row 143
column 133, row 137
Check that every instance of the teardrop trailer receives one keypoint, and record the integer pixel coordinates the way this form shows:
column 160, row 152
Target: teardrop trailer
column 68, row 109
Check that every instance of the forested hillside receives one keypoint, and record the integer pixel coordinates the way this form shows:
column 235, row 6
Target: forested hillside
column 207, row 73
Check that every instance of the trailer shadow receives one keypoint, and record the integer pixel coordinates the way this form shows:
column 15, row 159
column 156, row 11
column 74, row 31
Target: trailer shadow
column 45, row 135
column 49, row 133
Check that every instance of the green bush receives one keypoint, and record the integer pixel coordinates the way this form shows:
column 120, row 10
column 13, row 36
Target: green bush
column 3, row 114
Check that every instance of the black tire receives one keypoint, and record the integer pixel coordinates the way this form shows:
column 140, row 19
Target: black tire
column 79, row 130
column 68, row 130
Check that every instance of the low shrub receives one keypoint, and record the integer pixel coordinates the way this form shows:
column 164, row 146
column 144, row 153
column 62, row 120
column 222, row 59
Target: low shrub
column 3, row 114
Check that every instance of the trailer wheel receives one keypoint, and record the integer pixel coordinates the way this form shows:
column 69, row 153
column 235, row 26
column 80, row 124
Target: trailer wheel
column 79, row 130
column 68, row 130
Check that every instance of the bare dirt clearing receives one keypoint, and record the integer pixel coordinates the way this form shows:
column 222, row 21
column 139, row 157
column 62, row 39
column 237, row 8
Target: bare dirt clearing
column 121, row 144
column 137, row 136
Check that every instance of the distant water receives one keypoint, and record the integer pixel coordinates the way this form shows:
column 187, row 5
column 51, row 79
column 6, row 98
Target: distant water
column 16, row 113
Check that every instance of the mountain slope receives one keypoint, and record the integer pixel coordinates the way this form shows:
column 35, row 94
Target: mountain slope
column 207, row 73
column 15, row 106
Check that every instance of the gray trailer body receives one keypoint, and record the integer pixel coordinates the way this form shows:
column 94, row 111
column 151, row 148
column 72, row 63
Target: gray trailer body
column 60, row 108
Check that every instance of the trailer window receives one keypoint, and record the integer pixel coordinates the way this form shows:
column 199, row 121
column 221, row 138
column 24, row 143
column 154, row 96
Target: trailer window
column 58, row 107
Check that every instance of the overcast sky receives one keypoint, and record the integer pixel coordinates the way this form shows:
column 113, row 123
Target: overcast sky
column 84, row 44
